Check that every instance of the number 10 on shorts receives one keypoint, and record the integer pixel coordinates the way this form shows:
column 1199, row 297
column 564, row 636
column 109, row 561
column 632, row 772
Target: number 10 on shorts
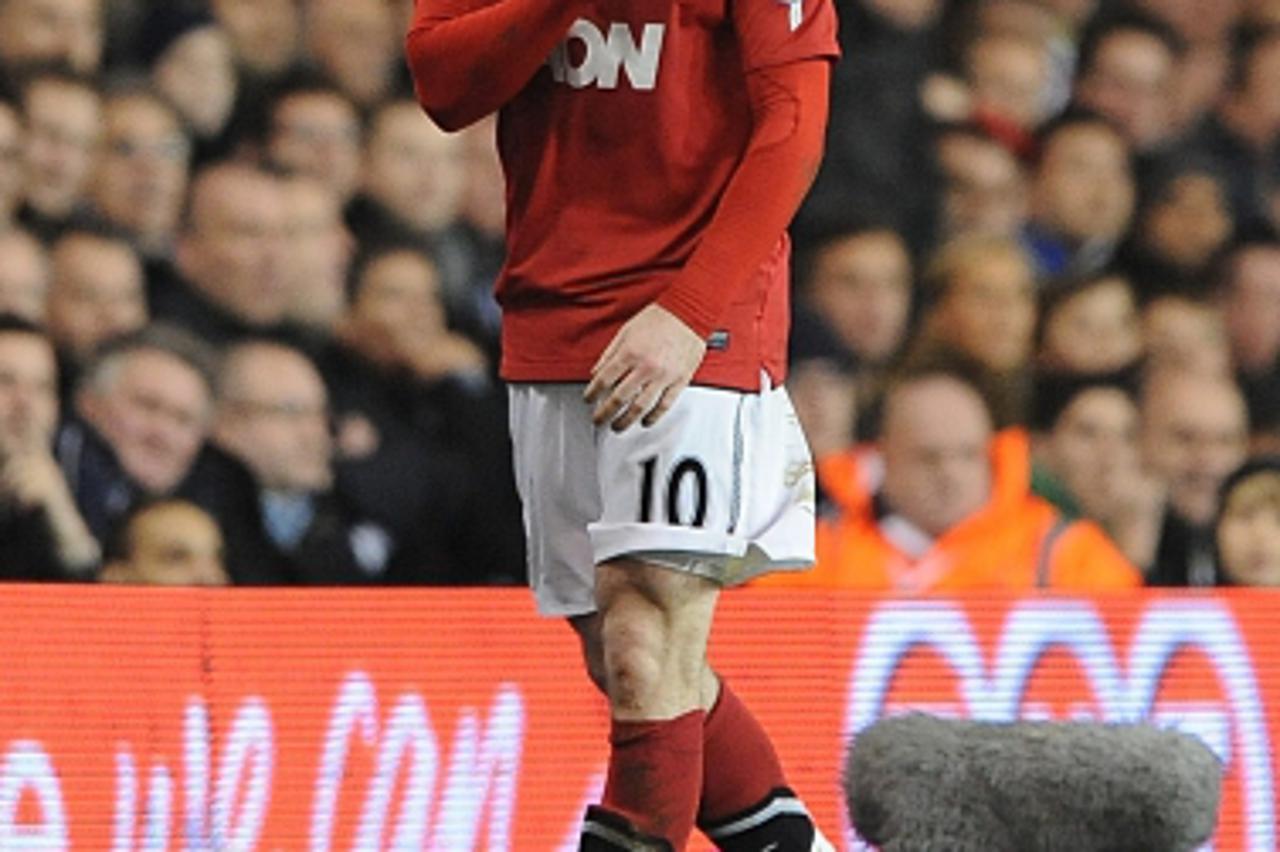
column 684, row 497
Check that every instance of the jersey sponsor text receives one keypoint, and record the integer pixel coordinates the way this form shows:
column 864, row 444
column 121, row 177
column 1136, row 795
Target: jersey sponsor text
column 605, row 56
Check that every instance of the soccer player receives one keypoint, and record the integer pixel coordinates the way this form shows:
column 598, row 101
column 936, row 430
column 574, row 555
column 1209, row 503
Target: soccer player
column 654, row 154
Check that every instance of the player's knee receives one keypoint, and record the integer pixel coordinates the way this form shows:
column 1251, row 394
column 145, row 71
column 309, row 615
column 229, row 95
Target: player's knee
column 653, row 626
column 635, row 656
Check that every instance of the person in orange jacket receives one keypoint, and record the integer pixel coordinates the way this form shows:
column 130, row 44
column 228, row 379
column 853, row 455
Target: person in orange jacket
column 942, row 502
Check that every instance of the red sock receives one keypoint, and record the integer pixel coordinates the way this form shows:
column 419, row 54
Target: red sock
column 739, row 766
column 655, row 773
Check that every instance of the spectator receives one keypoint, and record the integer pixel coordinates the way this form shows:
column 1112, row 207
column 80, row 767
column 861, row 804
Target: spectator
column 1186, row 333
column 1090, row 326
column 231, row 256
column 96, row 295
column 1242, row 133
column 1009, row 79
column 1247, row 532
column 264, row 34
column 1085, row 449
column 141, row 180
column 151, row 403
column 1008, row 76
column 265, row 39
column 1056, row 24
column 397, row 319
column 319, row 256
column 396, row 354
column 356, row 43
column 414, row 172
column 412, row 190
column 42, row 534
column 1194, row 433
column 860, row 284
column 1205, row 30
column 984, row 190
column 273, row 414
column 822, row 384
column 313, row 130
column 940, row 503
column 1129, row 64
column 24, row 275
column 412, row 401
column 42, row 32
column 1249, row 292
column 1189, row 88
column 1183, row 222
column 11, row 166
column 876, row 114
column 64, row 127
column 167, row 543
column 982, row 306
column 192, row 64
column 144, row 408
column 1082, row 196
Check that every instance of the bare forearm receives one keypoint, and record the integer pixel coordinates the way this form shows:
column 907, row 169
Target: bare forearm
column 468, row 64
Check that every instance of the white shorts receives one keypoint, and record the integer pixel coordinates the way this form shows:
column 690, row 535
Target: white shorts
column 722, row 486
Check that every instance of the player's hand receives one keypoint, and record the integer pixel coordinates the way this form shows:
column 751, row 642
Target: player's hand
column 645, row 367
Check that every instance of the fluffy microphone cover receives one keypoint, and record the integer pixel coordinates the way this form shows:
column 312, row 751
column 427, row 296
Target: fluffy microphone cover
column 918, row 783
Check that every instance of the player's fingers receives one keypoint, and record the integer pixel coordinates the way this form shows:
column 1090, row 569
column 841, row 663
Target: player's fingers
column 607, row 375
column 618, row 398
column 593, row 389
column 644, row 402
column 664, row 403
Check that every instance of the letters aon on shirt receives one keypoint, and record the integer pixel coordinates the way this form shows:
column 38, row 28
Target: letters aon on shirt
column 600, row 58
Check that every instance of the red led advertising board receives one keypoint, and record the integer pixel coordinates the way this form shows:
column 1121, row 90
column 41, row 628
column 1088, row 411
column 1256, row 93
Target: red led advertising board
column 455, row 720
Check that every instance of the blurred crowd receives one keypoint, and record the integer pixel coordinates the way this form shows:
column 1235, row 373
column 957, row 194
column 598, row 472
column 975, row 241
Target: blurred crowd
column 1038, row 306
column 247, row 332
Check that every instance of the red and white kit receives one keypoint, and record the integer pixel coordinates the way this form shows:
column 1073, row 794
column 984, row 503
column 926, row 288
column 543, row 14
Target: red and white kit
column 627, row 158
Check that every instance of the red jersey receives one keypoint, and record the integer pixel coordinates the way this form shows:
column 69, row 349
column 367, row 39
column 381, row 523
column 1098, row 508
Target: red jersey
column 616, row 154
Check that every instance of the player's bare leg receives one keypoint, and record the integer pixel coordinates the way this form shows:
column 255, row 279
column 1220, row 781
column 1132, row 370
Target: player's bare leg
column 744, row 803
column 588, row 629
column 654, row 623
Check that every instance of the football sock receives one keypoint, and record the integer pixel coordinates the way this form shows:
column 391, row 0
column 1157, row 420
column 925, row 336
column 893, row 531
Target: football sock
column 746, row 804
column 655, row 774
column 739, row 764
